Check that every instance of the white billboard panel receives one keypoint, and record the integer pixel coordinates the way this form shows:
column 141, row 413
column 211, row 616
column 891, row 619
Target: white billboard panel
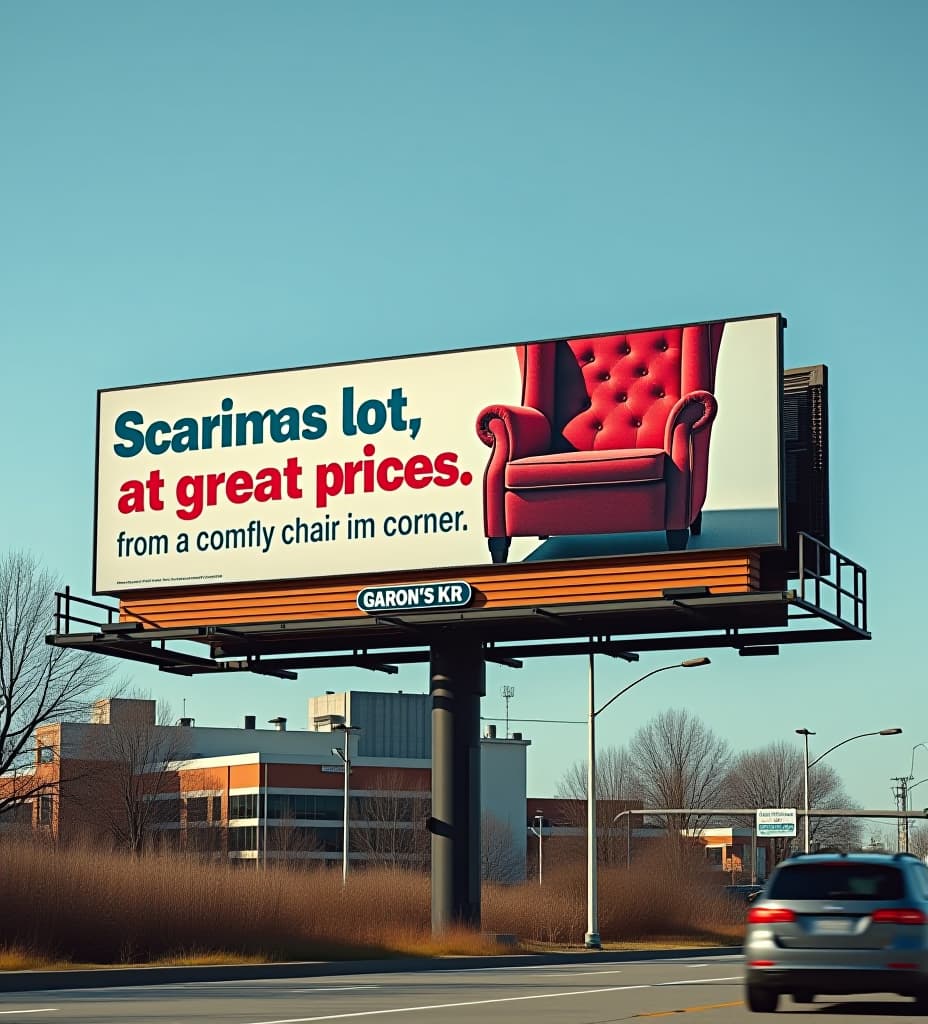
column 625, row 443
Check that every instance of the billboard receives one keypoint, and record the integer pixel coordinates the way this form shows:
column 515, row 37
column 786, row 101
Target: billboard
column 626, row 443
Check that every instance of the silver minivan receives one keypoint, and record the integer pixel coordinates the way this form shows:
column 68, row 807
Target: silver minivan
column 839, row 924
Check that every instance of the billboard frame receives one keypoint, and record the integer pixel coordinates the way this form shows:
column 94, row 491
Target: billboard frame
column 753, row 623
column 384, row 577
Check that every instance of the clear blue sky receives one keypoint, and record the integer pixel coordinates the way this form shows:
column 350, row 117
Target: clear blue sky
column 190, row 189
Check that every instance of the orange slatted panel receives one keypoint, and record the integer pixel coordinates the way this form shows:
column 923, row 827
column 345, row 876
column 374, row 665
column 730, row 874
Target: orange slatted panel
column 583, row 582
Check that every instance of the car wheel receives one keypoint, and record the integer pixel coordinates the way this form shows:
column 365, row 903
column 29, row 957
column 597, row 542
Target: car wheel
column 762, row 1000
column 803, row 997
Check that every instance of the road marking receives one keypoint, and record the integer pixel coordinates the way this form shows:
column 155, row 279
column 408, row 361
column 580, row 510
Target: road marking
column 722, row 961
column 689, row 1009
column 487, row 1002
column 696, row 981
column 575, row 974
column 50, row 1009
column 341, row 988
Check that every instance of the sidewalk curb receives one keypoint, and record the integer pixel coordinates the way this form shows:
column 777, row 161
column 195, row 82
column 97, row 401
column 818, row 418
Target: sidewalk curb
column 128, row 977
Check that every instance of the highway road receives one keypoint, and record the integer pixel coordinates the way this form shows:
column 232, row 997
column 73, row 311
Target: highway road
column 705, row 990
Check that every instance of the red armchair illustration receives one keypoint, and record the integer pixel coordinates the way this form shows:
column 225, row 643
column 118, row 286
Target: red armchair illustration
column 612, row 436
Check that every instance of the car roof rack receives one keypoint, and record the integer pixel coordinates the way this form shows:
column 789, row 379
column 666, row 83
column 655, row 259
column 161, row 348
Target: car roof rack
column 906, row 853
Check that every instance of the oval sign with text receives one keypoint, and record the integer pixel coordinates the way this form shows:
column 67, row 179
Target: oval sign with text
column 415, row 597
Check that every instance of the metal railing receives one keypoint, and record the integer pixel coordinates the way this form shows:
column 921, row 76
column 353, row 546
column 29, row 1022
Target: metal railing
column 845, row 589
column 66, row 617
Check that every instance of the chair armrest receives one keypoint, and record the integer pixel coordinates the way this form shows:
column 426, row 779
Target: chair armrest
column 692, row 413
column 514, row 430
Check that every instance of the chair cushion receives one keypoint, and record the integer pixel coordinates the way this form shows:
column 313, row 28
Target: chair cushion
column 566, row 469
column 631, row 381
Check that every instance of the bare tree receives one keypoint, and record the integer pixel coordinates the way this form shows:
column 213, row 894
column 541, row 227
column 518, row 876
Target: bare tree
column 134, row 786
column 291, row 839
column 394, row 817
column 772, row 776
column 38, row 683
column 680, row 762
column 918, row 840
column 498, row 860
column 616, row 784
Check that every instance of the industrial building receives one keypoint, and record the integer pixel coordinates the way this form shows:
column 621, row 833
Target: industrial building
column 270, row 793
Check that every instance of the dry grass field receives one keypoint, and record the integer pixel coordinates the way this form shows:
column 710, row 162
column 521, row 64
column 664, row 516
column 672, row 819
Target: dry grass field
column 67, row 905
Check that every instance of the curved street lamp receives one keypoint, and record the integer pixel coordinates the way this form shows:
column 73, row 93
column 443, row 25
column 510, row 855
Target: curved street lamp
column 912, row 766
column 344, row 755
column 806, row 733
column 592, row 939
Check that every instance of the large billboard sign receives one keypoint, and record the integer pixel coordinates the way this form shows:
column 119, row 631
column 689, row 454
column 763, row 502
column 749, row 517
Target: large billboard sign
column 628, row 443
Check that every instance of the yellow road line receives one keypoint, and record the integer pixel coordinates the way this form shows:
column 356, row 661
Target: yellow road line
column 690, row 1009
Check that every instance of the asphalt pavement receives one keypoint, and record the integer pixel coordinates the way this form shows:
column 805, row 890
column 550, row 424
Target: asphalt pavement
column 591, row 991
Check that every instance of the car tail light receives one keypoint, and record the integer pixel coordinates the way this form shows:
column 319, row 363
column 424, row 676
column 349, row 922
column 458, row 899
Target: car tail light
column 770, row 915
column 902, row 965
column 760, row 963
column 899, row 915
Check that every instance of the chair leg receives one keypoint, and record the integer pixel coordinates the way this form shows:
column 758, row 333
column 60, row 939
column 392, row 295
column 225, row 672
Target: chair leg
column 677, row 540
column 499, row 549
column 696, row 528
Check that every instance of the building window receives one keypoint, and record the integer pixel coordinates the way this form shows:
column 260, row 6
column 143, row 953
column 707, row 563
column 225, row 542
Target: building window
column 286, row 806
column 329, row 839
column 243, row 837
column 18, row 814
column 196, row 808
column 45, row 810
column 217, row 809
column 244, row 806
column 304, row 807
column 46, row 754
column 714, row 855
column 166, row 811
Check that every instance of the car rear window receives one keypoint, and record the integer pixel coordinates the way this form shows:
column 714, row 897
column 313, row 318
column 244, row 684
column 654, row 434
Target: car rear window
column 837, row 881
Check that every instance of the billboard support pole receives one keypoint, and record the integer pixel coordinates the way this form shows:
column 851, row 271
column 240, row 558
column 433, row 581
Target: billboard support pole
column 457, row 681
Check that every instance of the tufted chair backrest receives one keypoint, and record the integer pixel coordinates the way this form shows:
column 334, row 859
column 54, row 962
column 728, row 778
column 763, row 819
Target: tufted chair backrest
column 617, row 390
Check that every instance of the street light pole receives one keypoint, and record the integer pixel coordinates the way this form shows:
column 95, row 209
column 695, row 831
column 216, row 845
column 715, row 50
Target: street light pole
column 592, row 939
column 539, row 817
column 345, row 755
column 805, row 733
column 811, row 764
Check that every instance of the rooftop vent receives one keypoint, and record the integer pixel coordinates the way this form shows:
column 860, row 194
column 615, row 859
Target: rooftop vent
column 279, row 723
column 249, row 721
column 326, row 723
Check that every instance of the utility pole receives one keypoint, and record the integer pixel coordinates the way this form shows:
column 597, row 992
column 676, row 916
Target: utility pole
column 901, row 793
column 507, row 693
